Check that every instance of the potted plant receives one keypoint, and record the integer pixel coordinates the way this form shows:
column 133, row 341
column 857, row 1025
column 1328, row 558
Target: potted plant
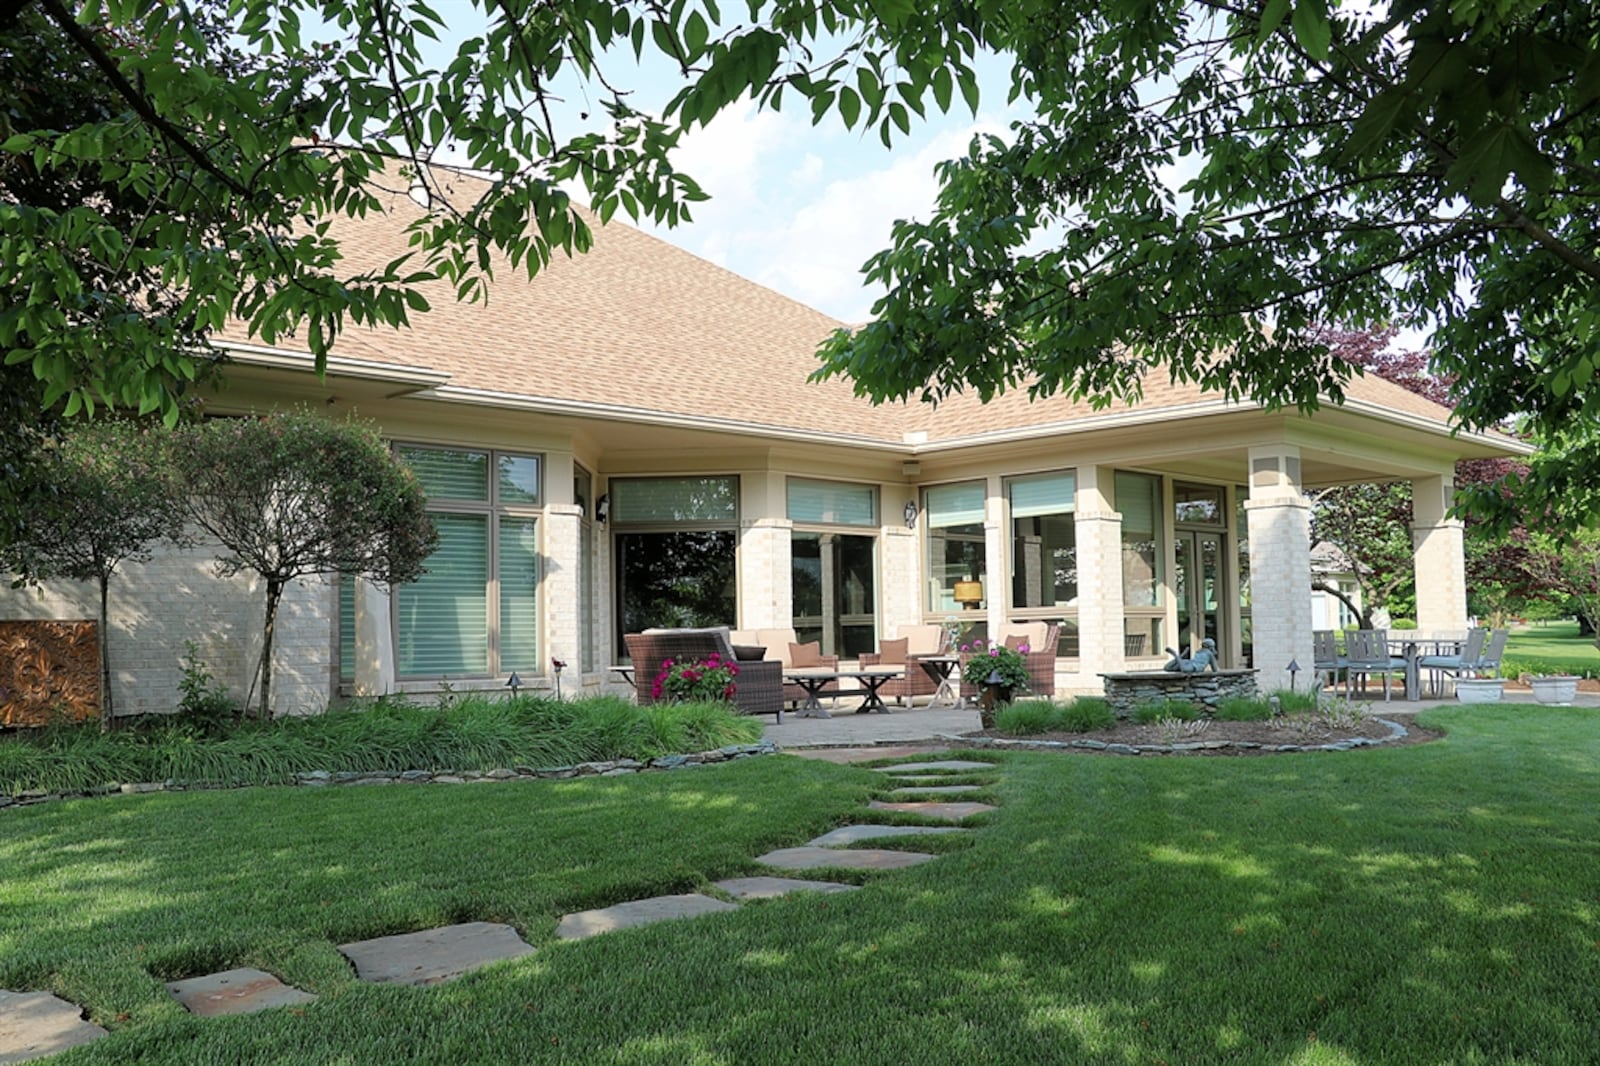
column 1488, row 687
column 998, row 673
column 1556, row 689
column 697, row 680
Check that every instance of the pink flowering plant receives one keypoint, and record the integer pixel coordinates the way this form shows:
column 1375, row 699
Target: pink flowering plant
column 985, row 661
column 696, row 680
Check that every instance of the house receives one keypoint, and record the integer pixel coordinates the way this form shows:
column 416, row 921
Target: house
column 631, row 440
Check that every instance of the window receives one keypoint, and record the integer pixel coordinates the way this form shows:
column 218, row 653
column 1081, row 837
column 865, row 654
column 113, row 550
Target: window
column 833, row 572
column 476, row 611
column 675, row 540
column 1044, row 552
column 1139, row 500
column 957, row 557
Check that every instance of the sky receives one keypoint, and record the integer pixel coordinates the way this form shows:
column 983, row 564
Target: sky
column 796, row 207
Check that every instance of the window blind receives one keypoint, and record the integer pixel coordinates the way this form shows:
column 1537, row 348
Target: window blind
column 443, row 623
column 1045, row 494
column 832, row 502
column 1136, row 499
column 956, row 505
column 449, row 474
column 674, row 499
column 347, row 628
column 519, row 600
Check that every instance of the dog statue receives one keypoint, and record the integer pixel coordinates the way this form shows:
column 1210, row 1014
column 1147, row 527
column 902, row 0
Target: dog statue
column 1201, row 661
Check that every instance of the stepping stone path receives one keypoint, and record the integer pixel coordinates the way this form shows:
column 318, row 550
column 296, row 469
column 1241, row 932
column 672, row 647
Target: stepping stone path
column 943, row 766
column 242, row 991
column 943, row 790
column 434, row 955
column 843, row 859
column 638, row 912
column 952, row 812
column 36, row 1024
column 855, row 834
column 768, row 887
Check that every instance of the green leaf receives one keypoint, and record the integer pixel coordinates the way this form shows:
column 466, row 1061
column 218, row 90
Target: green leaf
column 695, row 34
column 1312, row 28
column 1271, row 18
column 849, row 106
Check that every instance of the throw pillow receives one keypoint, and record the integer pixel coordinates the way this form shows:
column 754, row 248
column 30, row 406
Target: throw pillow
column 749, row 653
column 1015, row 643
column 892, row 652
column 806, row 654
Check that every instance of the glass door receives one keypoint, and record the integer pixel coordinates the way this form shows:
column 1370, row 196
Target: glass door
column 1198, row 583
column 835, row 600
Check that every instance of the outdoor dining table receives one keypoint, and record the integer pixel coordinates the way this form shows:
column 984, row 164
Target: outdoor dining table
column 814, row 678
column 1412, row 649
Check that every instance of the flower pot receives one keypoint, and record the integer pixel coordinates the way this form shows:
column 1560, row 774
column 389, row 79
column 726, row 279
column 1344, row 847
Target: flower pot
column 1558, row 691
column 1480, row 689
column 995, row 694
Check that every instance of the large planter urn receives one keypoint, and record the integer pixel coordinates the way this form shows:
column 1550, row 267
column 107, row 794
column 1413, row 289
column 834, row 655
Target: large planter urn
column 1559, row 691
column 995, row 695
column 1480, row 689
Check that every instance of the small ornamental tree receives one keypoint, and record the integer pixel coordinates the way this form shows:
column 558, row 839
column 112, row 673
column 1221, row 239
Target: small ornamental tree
column 291, row 495
column 102, row 497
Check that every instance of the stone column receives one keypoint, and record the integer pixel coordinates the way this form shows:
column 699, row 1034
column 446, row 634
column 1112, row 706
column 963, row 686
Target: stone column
column 1439, row 557
column 902, row 595
column 560, row 586
column 997, row 579
column 766, row 589
column 1279, row 520
column 1098, row 530
column 375, row 662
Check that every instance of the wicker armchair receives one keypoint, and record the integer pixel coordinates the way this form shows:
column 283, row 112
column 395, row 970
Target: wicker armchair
column 1041, row 662
column 922, row 640
column 759, row 689
column 777, row 642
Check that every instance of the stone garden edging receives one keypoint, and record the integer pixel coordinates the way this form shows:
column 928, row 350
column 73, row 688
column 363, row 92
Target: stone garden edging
column 1193, row 747
column 326, row 778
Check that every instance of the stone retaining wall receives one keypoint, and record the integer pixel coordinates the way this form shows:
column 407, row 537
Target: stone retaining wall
column 1126, row 691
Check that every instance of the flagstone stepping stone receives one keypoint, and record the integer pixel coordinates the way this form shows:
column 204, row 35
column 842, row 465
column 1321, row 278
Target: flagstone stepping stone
column 953, row 812
column 432, row 956
column 945, row 790
column 944, row 766
column 241, row 991
column 809, row 858
column 638, row 912
column 854, row 834
column 36, row 1024
column 768, row 887
column 933, row 779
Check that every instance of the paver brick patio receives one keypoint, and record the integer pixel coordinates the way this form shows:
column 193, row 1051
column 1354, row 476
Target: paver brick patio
column 36, row 1024
column 241, row 991
column 953, row 812
column 434, row 955
column 854, row 834
column 768, row 887
column 638, row 912
column 841, row 859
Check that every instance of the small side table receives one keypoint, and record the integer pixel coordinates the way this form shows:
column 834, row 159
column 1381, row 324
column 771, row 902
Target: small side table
column 942, row 668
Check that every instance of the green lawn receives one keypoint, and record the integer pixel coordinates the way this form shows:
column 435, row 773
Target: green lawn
column 1429, row 904
column 1551, row 648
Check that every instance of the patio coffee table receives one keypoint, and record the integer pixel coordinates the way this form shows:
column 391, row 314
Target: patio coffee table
column 813, row 679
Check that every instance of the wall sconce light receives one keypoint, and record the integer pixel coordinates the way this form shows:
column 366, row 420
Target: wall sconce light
column 602, row 507
column 911, row 514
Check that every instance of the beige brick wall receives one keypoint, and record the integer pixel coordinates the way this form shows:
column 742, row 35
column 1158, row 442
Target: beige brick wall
column 1439, row 558
column 1279, row 520
column 157, row 606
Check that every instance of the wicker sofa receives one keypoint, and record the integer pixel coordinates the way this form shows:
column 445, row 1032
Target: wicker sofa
column 758, row 690
column 920, row 640
column 777, row 642
column 1041, row 638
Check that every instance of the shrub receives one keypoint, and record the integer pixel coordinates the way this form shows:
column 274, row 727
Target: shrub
column 1296, row 702
column 1087, row 714
column 1156, row 710
column 1402, row 623
column 1028, row 718
column 1244, row 709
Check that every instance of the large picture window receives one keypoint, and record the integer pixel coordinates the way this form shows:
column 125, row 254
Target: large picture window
column 958, row 563
column 675, row 540
column 1139, row 500
column 1044, row 545
column 475, row 613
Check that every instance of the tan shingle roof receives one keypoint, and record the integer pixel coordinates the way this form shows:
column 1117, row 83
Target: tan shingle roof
column 637, row 323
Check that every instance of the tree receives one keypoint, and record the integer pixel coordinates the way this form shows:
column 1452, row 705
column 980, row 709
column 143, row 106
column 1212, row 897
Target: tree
column 102, row 497
column 1407, row 163
column 1569, row 565
column 240, row 130
column 292, row 495
column 1370, row 524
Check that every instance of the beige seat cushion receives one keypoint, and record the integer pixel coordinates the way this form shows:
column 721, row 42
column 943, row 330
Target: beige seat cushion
column 921, row 639
column 777, row 642
column 892, row 652
column 1033, row 632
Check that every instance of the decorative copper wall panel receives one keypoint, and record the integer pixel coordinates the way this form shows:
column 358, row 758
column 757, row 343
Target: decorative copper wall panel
column 48, row 670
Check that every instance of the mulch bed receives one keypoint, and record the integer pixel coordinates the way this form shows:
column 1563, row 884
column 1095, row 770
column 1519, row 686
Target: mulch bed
column 1283, row 731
